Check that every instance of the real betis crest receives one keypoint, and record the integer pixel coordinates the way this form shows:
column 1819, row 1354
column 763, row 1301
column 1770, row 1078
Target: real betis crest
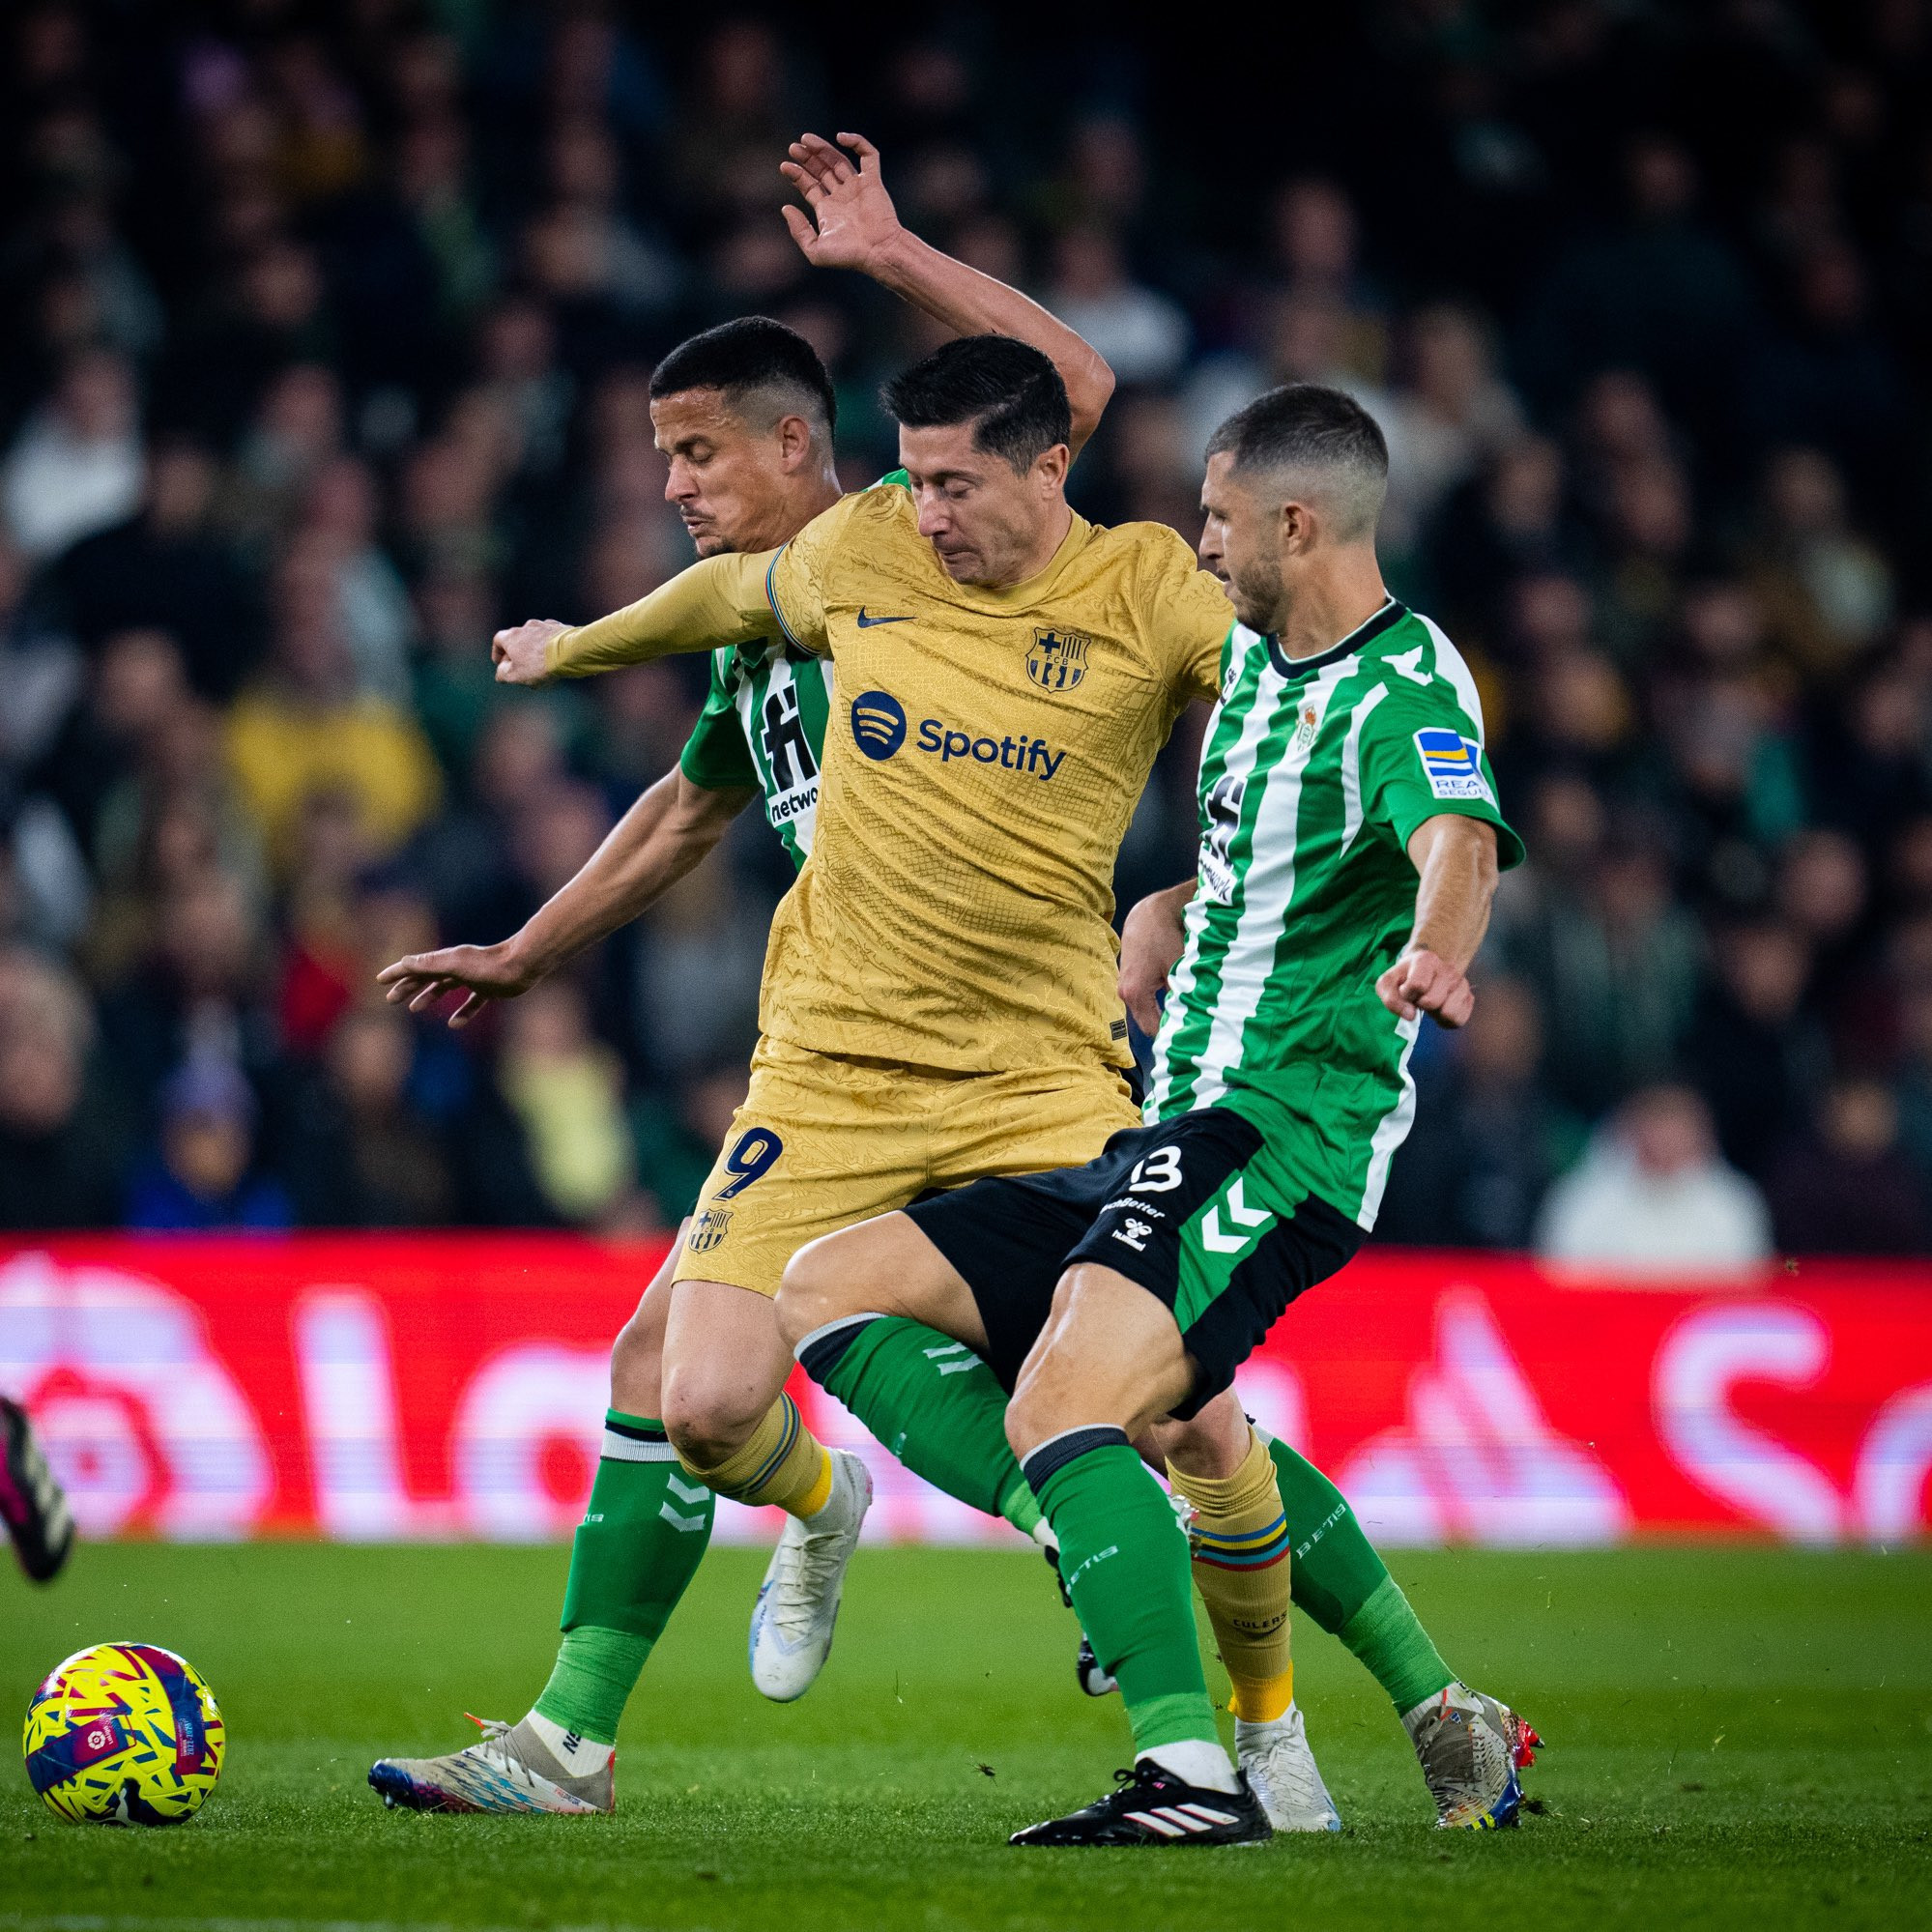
column 1310, row 723
column 1058, row 660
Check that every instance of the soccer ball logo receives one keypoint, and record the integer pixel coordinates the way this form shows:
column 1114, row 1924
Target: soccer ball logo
column 123, row 1734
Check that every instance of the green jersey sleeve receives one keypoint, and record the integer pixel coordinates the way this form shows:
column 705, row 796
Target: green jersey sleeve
column 715, row 756
column 1421, row 756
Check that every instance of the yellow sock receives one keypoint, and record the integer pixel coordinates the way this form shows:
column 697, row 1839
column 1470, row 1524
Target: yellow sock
column 783, row 1463
column 1240, row 1541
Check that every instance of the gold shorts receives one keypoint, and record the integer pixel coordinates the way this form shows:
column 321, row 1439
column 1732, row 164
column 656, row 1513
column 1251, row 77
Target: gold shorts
column 822, row 1142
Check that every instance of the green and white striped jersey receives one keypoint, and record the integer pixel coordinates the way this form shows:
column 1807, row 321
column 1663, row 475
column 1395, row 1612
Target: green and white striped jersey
column 762, row 729
column 1314, row 774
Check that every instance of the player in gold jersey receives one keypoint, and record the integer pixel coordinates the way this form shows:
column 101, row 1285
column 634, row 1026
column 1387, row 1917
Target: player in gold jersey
column 940, row 997
column 1005, row 673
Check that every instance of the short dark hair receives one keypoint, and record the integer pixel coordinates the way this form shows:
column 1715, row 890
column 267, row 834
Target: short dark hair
column 750, row 355
column 1011, row 395
column 1311, row 426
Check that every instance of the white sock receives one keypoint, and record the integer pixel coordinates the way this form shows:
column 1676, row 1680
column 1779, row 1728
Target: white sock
column 1195, row 1762
column 1041, row 1533
column 581, row 1757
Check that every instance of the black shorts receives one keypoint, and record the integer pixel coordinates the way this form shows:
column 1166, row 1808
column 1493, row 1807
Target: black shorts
column 1168, row 1206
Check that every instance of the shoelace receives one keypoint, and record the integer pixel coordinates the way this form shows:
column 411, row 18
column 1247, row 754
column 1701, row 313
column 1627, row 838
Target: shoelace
column 493, row 1751
column 815, row 1561
column 1288, row 1765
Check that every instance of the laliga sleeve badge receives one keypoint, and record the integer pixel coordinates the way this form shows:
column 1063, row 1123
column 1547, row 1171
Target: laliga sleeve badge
column 1452, row 764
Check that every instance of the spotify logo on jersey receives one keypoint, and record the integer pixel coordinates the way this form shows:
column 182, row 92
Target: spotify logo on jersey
column 879, row 723
column 879, row 729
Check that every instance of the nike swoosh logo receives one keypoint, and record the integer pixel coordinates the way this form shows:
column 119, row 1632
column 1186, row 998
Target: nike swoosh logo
column 866, row 624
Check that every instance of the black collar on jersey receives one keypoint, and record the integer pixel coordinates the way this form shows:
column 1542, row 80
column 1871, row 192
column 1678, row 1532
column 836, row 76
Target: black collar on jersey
column 1391, row 613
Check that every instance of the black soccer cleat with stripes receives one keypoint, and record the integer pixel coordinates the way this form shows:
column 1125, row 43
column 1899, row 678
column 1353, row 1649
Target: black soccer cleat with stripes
column 31, row 1503
column 1149, row 1805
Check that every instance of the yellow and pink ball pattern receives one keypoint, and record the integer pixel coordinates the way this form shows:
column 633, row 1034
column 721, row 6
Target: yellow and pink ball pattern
column 123, row 1734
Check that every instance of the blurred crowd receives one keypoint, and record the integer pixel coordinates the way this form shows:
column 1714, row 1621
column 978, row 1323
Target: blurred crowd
column 328, row 330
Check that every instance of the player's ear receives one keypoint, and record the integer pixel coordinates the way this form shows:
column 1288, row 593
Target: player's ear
column 1050, row 467
column 795, row 441
column 1300, row 528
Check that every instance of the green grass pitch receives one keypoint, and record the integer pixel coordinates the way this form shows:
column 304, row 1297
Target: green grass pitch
column 1738, row 1737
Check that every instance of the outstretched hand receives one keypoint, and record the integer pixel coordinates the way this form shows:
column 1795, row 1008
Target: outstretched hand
column 1420, row 982
column 855, row 216
column 482, row 973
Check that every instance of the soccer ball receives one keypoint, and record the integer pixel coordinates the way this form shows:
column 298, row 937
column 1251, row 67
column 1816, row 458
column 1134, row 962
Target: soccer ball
column 123, row 1734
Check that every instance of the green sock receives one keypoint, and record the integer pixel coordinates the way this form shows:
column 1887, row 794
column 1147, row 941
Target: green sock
column 636, row 1551
column 1339, row 1582
column 1389, row 1638
column 933, row 1402
column 1125, row 1560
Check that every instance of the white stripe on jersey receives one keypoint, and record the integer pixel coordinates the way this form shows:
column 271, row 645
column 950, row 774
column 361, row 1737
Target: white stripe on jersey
column 1390, row 1131
column 1268, row 887
column 1238, row 762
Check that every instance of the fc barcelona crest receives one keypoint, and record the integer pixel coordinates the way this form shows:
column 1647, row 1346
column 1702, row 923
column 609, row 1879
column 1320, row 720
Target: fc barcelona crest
column 709, row 1230
column 1058, row 660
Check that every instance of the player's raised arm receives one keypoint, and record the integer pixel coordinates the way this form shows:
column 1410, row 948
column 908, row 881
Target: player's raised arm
column 663, row 835
column 852, row 224
column 1457, row 859
column 718, row 600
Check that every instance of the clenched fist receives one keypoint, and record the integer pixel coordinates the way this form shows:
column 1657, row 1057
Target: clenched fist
column 1420, row 982
column 522, row 653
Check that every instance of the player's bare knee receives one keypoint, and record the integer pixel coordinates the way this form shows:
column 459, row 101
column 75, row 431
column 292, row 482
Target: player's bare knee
column 708, row 1424
column 1026, row 1426
column 637, row 1367
column 1214, row 1443
column 809, row 1293
column 1040, row 1403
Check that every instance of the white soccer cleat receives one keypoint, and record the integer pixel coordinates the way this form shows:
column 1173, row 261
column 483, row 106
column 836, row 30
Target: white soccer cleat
column 1281, row 1768
column 510, row 1769
column 798, row 1603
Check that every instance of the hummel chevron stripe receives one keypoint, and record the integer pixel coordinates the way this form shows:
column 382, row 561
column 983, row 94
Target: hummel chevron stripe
column 1245, row 1219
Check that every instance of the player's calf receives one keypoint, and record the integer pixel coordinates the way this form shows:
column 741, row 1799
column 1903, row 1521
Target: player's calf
column 637, row 1355
column 1109, row 1354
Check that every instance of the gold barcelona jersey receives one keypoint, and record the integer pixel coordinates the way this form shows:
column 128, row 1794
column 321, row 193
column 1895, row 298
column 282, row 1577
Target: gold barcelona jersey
column 983, row 754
